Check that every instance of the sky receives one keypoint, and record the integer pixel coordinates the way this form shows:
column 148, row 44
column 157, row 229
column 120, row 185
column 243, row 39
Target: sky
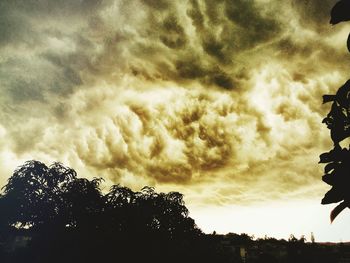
column 219, row 100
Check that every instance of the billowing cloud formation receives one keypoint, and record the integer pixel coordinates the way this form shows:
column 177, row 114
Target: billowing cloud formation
column 220, row 100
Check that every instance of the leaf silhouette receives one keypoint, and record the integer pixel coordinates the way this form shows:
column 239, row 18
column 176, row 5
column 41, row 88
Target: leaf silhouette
column 337, row 210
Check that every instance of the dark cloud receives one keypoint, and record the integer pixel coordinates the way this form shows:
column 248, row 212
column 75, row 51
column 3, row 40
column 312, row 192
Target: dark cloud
column 79, row 46
column 157, row 4
column 208, row 54
column 314, row 13
column 223, row 95
column 290, row 48
column 16, row 31
column 42, row 59
column 195, row 13
column 27, row 80
column 25, row 91
column 215, row 76
column 253, row 27
column 174, row 35
column 47, row 8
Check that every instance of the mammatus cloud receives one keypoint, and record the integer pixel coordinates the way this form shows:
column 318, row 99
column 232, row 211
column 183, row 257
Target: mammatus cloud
column 221, row 98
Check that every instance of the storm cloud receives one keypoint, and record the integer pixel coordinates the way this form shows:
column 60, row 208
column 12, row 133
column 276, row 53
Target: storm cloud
column 216, row 96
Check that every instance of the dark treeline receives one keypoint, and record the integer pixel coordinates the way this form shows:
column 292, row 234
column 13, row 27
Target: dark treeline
column 63, row 218
column 48, row 214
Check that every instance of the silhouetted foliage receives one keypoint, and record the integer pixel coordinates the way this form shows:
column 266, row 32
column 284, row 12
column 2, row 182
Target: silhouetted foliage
column 33, row 196
column 48, row 214
column 338, row 122
column 55, row 211
column 340, row 12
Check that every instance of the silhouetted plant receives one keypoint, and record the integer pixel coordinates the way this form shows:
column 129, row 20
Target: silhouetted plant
column 33, row 196
column 118, row 207
column 338, row 121
column 83, row 203
column 62, row 212
column 69, row 219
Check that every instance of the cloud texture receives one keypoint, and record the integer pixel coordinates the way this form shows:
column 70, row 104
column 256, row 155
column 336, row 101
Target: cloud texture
column 218, row 99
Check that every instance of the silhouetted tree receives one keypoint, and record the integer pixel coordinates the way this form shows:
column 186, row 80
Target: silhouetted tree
column 292, row 238
column 83, row 203
column 65, row 213
column 118, row 206
column 33, row 196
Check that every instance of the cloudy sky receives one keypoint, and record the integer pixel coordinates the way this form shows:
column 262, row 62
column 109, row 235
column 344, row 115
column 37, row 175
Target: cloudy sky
column 220, row 100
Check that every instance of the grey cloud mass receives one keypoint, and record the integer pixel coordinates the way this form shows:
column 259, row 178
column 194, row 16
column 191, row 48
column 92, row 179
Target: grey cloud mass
column 219, row 95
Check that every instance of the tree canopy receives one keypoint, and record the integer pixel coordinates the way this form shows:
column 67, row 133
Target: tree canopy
column 61, row 212
column 39, row 196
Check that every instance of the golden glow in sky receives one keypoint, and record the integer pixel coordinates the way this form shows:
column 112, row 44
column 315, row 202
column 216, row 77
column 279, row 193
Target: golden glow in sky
column 220, row 100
